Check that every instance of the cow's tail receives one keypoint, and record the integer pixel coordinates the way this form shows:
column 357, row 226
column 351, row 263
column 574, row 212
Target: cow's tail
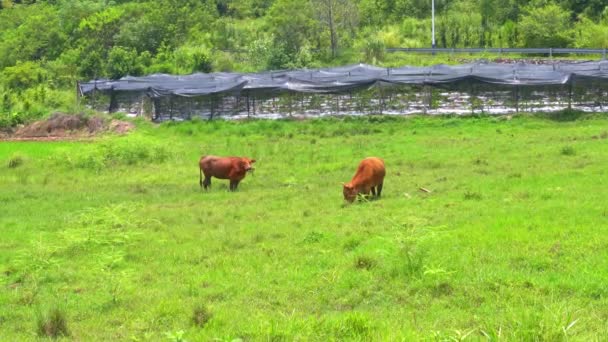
column 200, row 169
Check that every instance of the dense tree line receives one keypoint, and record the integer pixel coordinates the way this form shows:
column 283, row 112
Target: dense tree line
column 46, row 45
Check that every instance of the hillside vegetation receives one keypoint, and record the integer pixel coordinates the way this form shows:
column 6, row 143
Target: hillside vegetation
column 45, row 46
column 113, row 239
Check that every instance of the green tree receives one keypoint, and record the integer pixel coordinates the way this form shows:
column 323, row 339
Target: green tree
column 337, row 17
column 590, row 34
column 23, row 75
column 36, row 35
column 121, row 62
column 547, row 26
column 292, row 25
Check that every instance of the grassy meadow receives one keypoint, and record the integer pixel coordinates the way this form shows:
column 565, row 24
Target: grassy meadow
column 112, row 239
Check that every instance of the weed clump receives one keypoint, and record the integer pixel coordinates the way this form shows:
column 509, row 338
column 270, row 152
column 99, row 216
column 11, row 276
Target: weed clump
column 15, row 161
column 472, row 196
column 313, row 237
column 364, row 262
column 53, row 325
column 201, row 316
column 354, row 325
column 568, row 151
column 351, row 245
column 414, row 259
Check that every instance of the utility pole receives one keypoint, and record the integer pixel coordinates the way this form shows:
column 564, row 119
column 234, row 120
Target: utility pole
column 433, row 25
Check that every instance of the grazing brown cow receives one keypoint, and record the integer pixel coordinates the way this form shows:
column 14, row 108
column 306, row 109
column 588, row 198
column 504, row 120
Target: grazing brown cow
column 369, row 176
column 233, row 168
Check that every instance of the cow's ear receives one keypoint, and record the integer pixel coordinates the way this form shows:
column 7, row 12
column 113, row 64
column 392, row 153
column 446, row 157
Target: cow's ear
column 252, row 161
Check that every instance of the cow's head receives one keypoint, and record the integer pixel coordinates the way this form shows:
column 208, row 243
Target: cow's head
column 349, row 191
column 246, row 164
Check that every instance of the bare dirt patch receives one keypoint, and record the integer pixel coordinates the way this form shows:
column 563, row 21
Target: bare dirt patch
column 62, row 126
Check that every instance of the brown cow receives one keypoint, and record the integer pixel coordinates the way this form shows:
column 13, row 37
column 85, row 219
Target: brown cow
column 233, row 168
column 369, row 176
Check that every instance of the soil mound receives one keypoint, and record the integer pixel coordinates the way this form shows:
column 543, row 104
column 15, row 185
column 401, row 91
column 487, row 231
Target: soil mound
column 64, row 126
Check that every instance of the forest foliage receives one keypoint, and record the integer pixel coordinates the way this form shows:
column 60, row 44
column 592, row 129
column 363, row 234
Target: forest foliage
column 45, row 46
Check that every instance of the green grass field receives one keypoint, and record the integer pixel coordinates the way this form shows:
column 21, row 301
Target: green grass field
column 114, row 240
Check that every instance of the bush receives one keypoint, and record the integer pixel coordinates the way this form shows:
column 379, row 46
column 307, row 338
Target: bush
column 374, row 50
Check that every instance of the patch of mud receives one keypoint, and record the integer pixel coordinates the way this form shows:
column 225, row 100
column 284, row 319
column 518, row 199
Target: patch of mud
column 67, row 127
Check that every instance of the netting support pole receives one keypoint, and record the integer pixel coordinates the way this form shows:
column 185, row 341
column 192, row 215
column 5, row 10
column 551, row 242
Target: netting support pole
column 381, row 100
column 253, row 102
column 112, row 105
column 171, row 107
column 237, row 109
column 290, row 103
column 248, row 112
column 337, row 104
column 516, row 99
column 569, row 94
column 157, row 114
column 141, row 106
column 95, row 95
column 212, row 107
column 78, row 96
column 430, row 104
column 472, row 98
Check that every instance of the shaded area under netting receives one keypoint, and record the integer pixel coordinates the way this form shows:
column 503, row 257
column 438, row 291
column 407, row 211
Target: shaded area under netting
column 357, row 90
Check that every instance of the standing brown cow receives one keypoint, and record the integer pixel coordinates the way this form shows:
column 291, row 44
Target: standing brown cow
column 369, row 176
column 233, row 168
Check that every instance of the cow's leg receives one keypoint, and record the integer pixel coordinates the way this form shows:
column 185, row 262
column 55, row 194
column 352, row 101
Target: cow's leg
column 235, row 184
column 380, row 189
column 373, row 191
column 207, row 182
